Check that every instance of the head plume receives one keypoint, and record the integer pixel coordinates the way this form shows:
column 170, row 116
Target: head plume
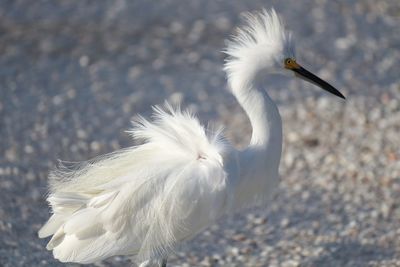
column 262, row 43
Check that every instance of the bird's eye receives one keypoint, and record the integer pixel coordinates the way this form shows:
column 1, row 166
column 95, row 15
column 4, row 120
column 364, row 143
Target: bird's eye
column 289, row 61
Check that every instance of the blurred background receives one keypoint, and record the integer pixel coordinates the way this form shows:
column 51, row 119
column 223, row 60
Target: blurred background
column 73, row 74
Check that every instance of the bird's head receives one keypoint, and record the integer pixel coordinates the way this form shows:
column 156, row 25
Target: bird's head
column 263, row 46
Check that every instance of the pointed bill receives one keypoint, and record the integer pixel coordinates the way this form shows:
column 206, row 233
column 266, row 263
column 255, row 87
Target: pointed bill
column 310, row 77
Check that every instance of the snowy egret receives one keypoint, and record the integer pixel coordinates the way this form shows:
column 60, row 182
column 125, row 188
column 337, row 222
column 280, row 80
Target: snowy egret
column 145, row 200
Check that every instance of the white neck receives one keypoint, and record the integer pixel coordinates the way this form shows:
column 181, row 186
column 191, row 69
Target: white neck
column 263, row 114
column 259, row 163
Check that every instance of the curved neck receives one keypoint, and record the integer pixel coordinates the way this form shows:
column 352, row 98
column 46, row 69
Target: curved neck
column 263, row 114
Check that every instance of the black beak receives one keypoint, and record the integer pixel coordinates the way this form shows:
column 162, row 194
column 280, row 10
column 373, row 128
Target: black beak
column 308, row 76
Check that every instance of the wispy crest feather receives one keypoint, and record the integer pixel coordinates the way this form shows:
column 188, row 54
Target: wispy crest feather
column 262, row 35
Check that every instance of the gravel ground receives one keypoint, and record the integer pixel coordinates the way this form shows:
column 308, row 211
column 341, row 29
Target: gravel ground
column 74, row 73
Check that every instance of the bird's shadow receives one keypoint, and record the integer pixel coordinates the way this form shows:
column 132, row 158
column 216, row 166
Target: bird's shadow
column 350, row 253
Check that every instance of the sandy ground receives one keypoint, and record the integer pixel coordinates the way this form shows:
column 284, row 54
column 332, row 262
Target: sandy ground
column 73, row 75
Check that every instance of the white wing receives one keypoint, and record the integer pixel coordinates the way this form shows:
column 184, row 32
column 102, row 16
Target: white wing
column 142, row 200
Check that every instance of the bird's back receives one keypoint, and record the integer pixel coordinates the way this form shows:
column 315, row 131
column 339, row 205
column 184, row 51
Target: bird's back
column 143, row 200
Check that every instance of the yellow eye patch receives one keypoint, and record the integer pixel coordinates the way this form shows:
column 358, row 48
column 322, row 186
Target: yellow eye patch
column 290, row 63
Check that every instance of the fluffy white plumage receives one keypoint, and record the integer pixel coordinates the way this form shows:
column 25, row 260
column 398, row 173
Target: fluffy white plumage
column 143, row 201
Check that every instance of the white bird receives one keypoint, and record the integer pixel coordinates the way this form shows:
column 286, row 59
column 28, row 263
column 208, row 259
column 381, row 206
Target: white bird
column 144, row 201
